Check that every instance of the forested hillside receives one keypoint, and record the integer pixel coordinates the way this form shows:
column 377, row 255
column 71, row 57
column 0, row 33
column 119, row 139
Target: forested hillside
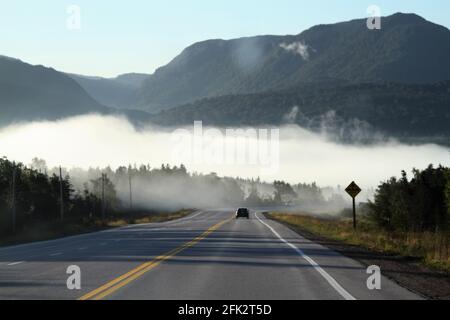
column 348, row 111
column 408, row 49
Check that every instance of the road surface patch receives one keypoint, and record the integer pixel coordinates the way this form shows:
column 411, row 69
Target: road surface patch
column 344, row 293
column 114, row 285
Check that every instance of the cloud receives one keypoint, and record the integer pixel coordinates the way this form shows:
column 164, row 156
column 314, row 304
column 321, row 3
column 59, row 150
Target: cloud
column 291, row 117
column 304, row 156
column 249, row 54
column 299, row 48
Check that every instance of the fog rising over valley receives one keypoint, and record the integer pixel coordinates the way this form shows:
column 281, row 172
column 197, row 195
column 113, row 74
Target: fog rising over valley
column 275, row 108
column 201, row 150
column 99, row 141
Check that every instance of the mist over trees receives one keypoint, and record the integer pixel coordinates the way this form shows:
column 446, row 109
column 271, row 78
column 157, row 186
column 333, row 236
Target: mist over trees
column 174, row 187
column 103, row 193
column 37, row 196
column 345, row 112
column 404, row 206
column 421, row 203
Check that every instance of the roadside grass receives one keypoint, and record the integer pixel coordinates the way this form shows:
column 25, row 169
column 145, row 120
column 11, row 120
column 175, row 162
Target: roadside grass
column 431, row 248
column 145, row 218
column 42, row 231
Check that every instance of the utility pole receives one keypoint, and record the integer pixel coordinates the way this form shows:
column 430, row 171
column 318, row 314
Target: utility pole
column 131, row 190
column 61, row 202
column 103, row 195
column 13, row 198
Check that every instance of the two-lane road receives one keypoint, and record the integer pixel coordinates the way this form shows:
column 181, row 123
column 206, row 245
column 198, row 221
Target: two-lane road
column 208, row 255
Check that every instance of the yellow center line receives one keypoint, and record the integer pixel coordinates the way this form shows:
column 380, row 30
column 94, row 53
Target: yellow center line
column 114, row 285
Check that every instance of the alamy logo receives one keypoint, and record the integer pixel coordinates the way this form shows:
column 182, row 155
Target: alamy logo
column 374, row 21
column 73, row 21
column 374, row 281
column 74, row 280
column 210, row 146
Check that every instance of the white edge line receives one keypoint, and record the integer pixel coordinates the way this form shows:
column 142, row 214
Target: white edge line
column 344, row 293
column 56, row 254
column 15, row 263
column 83, row 235
column 162, row 224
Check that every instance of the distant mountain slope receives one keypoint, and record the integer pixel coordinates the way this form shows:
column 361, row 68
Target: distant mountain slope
column 348, row 111
column 35, row 92
column 408, row 49
column 30, row 92
column 119, row 92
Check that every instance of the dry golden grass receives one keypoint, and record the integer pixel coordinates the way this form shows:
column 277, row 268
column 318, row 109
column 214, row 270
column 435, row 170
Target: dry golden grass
column 433, row 248
column 143, row 219
column 162, row 217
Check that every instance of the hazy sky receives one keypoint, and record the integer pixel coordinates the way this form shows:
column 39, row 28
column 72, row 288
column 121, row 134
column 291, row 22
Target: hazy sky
column 141, row 35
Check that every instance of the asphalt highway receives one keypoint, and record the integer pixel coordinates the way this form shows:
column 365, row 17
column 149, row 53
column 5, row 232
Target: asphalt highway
column 208, row 255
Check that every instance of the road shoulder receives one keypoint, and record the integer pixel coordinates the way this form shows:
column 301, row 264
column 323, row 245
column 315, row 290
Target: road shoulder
column 406, row 272
column 53, row 231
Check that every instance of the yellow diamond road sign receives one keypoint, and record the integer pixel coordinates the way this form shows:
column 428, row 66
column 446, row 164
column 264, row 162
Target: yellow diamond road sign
column 353, row 190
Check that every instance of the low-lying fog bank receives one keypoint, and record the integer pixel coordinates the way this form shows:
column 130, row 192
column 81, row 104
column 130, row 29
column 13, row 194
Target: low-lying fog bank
column 297, row 156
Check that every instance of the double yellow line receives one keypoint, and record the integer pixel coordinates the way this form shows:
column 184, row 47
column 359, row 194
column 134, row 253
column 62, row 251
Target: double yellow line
column 114, row 285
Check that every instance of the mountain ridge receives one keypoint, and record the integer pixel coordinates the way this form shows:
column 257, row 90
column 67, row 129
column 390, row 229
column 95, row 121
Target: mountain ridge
column 35, row 92
column 118, row 92
column 29, row 92
column 408, row 49
column 259, row 80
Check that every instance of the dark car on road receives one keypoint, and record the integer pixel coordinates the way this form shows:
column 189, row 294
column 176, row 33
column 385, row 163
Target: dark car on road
column 242, row 213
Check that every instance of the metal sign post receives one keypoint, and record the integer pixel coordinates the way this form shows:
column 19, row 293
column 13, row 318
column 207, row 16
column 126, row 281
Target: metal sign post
column 353, row 190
